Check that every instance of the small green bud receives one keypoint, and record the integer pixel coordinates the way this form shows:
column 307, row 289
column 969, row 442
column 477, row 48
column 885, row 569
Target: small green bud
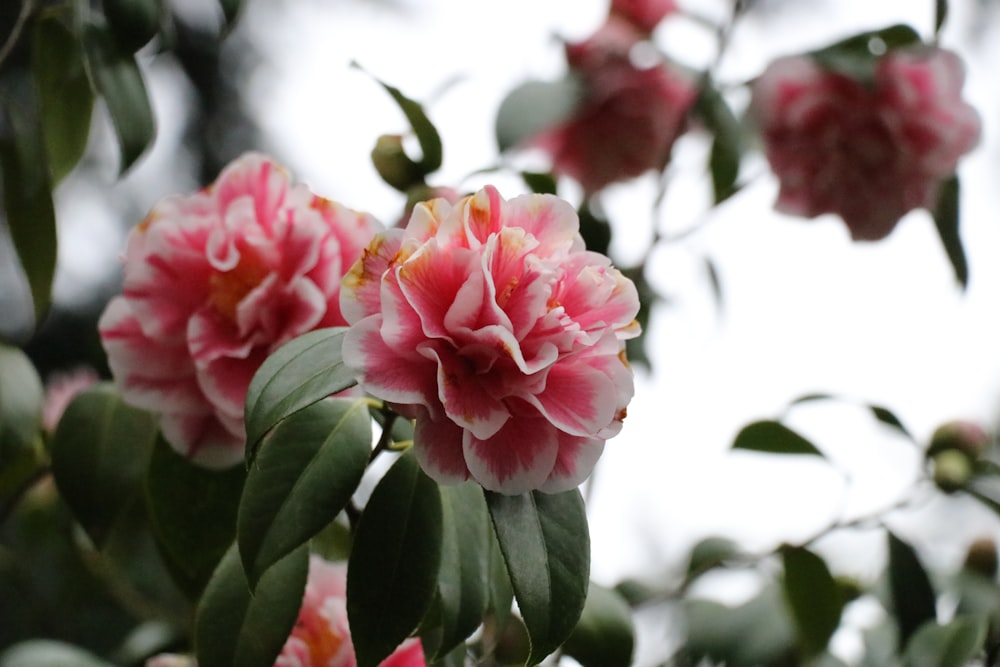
column 394, row 165
column 964, row 436
column 952, row 469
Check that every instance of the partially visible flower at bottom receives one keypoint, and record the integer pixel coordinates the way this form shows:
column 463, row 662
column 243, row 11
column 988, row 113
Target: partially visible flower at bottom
column 321, row 636
column 61, row 389
column 171, row 660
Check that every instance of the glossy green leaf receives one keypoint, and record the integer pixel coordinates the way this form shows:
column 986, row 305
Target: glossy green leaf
column 709, row 553
column 392, row 574
column 100, row 452
column 463, row 579
column 49, row 653
column 940, row 14
column 427, row 135
column 813, row 598
column 605, row 636
column 192, row 512
column 65, row 99
column 953, row 645
column 913, row 598
column 27, row 199
column 533, row 107
column 500, row 602
column 133, row 22
column 21, row 398
column 540, row 182
column 305, row 473
column 116, row 75
column 298, row 374
column 236, row 629
column 545, row 542
column 946, row 220
column 773, row 438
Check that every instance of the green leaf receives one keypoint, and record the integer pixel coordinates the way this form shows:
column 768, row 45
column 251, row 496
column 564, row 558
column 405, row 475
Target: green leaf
column 236, row 629
column 192, row 511
column 533, row 107
column 230, row 10
column 21, row 398
column 117, row 78
column 710, row 553
column 100, row 452
column 540, row 182
column 773, row 438
column 946, row 220
column 48, row 653
column 888, row 418
column 813, row 598
column 605, row 636
column 299, row 373
column 463, row 579
column 855, row 56
column 913, row 599
column 546, row 545
column 951, row 645
column 727, row 140
column 393, row 570
column 940, row 14
column 303, row 476
column 27, row 198
column 133, row 22
column 427, row 135
column 595, row 230
column 65, row 99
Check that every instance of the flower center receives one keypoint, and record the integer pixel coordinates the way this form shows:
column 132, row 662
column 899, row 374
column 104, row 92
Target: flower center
column 228, row 288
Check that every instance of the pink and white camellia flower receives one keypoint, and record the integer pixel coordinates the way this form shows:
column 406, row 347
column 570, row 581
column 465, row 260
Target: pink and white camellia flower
column 214, row 282
column 321, row 636
column 644, row 14
column 629, row 115
column 489, row 323
column 868, row 151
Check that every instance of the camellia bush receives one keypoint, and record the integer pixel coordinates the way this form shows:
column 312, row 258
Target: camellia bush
column 320, row 439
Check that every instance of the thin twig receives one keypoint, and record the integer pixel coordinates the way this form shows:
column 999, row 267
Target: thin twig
column 27, row 7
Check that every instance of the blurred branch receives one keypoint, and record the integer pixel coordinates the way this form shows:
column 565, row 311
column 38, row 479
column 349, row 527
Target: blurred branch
column 27, row 6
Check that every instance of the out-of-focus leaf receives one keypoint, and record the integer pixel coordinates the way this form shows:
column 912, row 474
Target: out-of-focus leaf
column 193, row 514
column 427, row 135
column 541, row 182
column 758, row 632
column 49, row 653
column 21, row 397
column 230, row 10
column 773, row 438
column 880, row 642
column 303, row 476
column 595, row 230
column 727, row 141
column 393, row 571
column 946, row 220
column 100, row 453
column 27, row 199
column 940, row 14
column 605, row 636
column 299, row 373
column 533, row 107
column 709, row 553
column 951, row 645
column 855, row 55
column 463, row 579
column 546, row 544
column 913, row 599
column 115, row 74
column 889, row 418
column 65, row 99
column 715, row 283
column 133, row 22
column 813, row 597
column 236, row 629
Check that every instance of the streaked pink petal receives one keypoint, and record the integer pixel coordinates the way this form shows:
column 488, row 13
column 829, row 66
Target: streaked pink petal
column 519, row 458
column 576, row 460
column 202, row 439
column 398, row 376
column 577, row 398
column 438, row 448
column 466, row 401
column 359, row 293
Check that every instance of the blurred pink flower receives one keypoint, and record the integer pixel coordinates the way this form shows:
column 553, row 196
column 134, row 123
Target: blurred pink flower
column 644, row 14
column 214, row 282
column 60, row 390
column 629, row 115
column 321, row 636
column 867, row 151
column 489, row 323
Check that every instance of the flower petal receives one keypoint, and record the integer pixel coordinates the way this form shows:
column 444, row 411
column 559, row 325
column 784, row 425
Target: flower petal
column 518, row 458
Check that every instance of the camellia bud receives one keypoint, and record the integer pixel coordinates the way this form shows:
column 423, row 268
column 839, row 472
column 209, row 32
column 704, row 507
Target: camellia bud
column 394, row 165
column 981, row 557
column 964, row 436
column 952, row 469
